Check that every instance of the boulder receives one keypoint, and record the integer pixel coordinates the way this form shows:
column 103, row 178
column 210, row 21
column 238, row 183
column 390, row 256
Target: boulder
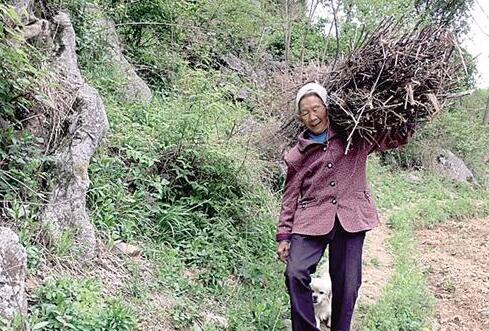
column 448, row 164
column 238, row 65
column 243, row 94
column 134, row 89
column 13, row 266
column 220, row 321
column 66, row 208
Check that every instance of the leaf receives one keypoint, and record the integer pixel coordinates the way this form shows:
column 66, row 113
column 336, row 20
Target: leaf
column 40, row 325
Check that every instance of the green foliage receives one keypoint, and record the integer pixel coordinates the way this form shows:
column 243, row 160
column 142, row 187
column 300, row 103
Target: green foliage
column 18, row 76
column 453, row 14
column 20, row 155
column 369, row 13
column 68, row 303
column 162, row 36
column 23, row 161
column 406, row 304
column 306, row 40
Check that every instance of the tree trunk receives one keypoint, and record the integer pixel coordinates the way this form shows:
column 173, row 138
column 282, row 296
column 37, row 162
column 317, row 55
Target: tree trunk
column 485, row 121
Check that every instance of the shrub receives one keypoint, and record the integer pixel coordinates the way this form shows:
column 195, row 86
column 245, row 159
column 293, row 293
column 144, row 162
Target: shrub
column 73, row 304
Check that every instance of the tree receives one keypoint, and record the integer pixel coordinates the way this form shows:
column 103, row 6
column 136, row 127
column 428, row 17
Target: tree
column 453, row 14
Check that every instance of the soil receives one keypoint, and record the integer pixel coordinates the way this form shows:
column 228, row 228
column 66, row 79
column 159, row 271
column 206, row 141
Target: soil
column 456, row 256
column 377, row 268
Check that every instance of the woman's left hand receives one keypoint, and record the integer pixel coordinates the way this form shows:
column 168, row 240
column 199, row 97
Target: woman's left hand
column 283, row 250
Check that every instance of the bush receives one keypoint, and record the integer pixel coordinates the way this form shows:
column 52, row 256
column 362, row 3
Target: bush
column 18, row 76
column 73, row 304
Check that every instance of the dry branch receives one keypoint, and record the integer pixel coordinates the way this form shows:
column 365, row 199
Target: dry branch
column 392, row 80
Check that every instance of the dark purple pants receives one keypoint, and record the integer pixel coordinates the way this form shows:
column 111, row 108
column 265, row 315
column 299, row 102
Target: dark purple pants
column 345, row 269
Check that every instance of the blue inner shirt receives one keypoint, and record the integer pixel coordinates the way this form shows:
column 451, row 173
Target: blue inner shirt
column 319, row 138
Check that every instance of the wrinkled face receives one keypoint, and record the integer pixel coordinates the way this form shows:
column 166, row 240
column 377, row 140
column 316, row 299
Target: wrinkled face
column 313, row 113
column 321, row 291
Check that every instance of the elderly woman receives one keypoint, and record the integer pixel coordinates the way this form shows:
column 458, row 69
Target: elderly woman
column 326, row 203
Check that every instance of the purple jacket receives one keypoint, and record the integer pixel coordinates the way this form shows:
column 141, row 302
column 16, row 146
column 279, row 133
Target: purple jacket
column 323, row 182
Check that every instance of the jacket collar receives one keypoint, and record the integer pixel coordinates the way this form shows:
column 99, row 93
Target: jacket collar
column 304, row 142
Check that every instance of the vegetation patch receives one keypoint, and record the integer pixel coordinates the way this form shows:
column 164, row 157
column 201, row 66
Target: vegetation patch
column 72, row 304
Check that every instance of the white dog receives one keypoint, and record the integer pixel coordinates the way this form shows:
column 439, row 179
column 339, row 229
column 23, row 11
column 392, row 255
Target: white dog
column 321, row 298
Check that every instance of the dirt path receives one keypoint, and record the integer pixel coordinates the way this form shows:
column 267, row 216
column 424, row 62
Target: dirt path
column 377, row 265
column 456, row 255
column 377, row 268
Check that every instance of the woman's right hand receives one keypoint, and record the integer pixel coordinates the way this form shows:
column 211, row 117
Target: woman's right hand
column 283, row 250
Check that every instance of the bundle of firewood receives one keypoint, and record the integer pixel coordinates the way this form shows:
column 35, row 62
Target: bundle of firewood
column 393, row 79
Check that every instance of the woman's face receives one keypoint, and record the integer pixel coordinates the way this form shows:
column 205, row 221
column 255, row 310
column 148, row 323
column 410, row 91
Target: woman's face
column 313, row 113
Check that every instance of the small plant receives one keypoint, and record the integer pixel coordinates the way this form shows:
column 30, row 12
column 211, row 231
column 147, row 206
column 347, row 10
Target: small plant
column 68, row 303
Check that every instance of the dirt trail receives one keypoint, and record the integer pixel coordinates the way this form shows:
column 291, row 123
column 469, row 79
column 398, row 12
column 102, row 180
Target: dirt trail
column 377, row 268
column 377, row 265
column 456, row 255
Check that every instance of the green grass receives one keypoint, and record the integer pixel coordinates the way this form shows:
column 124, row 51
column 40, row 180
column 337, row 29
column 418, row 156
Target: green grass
column 73, row 304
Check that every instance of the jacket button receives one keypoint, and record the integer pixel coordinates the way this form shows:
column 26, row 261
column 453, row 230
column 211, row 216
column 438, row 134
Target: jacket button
column 334, row 201
column 330, row 165
column 325, row 148
column 332, row 183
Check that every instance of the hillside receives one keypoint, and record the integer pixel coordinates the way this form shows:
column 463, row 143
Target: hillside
column 140, row 166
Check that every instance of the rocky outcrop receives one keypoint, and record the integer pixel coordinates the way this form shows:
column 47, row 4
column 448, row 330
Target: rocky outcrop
column 134, row 88
column 244, row 69
column 13, row 266
column 66, row 209
column 446, row 163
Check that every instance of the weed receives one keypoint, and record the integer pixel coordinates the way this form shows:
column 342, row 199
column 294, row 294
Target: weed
column 77, row 305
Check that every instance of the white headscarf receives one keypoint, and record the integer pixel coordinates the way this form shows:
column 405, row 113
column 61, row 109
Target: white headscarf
column 310, row 88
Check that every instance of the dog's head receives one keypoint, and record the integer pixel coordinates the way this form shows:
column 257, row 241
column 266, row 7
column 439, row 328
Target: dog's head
column 321, row 290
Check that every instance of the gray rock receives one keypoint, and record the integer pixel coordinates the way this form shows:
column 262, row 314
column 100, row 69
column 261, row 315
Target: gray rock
column 66, row 61
column 66, row 209
column 240, row 66
column 221, row 321
column 35, row 29
column 124, row 249
column 243, row 94
column 448, row 164
column 249, row 126
column 134, row 89
column 13, row 266
column 273, row 66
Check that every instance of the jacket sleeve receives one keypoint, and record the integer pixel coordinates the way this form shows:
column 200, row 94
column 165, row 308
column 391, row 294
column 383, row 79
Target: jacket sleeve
column 389, row 138
column 289, row 203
